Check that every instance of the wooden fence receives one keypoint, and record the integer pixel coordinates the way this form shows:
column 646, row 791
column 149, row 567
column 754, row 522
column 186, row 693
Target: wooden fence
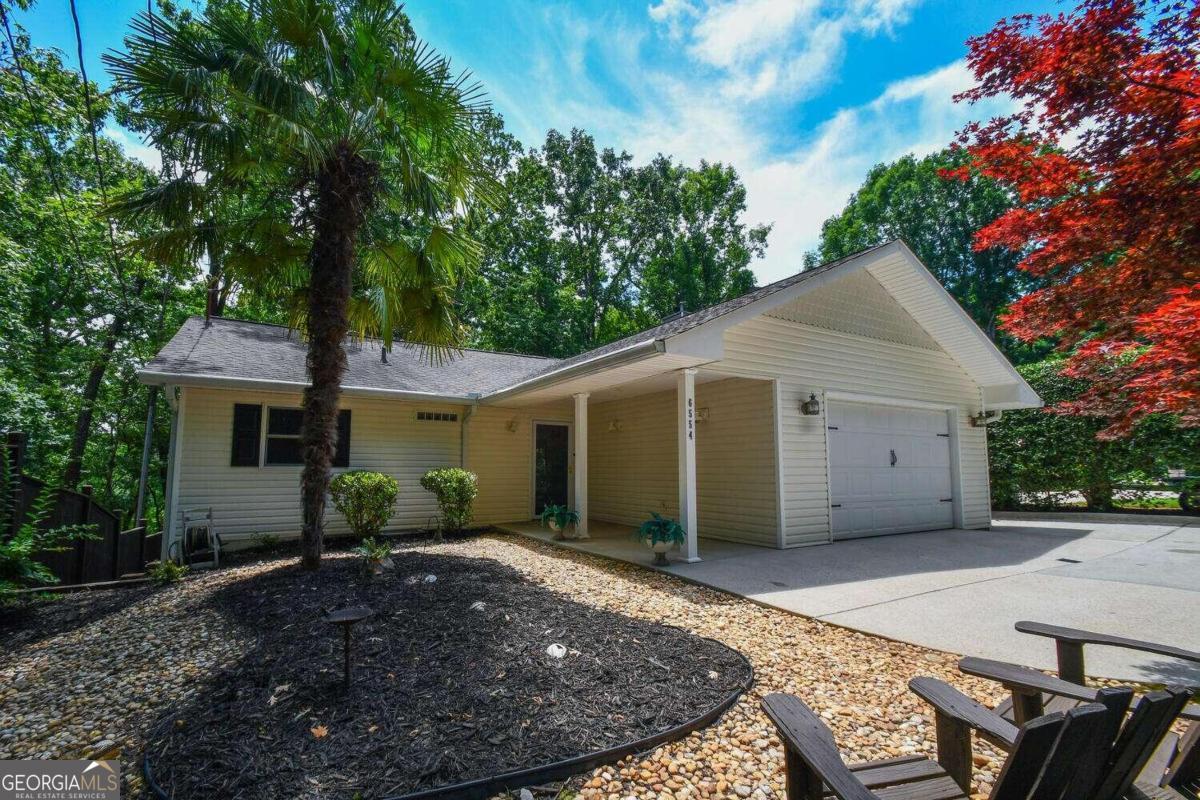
column 113, row 554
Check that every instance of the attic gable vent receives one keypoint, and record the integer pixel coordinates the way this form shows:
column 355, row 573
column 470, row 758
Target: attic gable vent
column 436, row 416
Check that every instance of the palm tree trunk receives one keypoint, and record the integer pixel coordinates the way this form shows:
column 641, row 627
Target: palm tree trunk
column 343, row 195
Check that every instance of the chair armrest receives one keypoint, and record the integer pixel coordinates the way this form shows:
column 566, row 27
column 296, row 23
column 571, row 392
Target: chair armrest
column 806, row 736
column 1073, row 636
column 953, row 704
column 1024, row 680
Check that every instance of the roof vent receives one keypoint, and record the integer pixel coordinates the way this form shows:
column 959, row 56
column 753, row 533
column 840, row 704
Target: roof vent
column 674, row 315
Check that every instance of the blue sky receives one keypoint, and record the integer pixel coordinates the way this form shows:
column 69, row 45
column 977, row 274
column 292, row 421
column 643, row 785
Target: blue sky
column 802, row 96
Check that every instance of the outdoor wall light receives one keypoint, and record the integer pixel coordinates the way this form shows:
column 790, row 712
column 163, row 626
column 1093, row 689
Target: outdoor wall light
column 811, row 407
column 983, row 418
column 614, row 425
column 512, row 425
column 702, row 414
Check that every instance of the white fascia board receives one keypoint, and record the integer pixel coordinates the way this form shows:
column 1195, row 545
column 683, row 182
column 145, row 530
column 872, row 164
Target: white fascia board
column 1010, row 396
column 617, row 358
column 227, row 382
column 1028, row 394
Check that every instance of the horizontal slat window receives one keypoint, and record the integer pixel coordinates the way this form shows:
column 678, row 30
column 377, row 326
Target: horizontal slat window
column 247, row 425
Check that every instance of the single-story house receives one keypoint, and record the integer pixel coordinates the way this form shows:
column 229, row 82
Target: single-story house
column 848, row 400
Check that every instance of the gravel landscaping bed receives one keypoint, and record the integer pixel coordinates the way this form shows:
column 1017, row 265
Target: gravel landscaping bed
column 465, row 670
column 99, row 688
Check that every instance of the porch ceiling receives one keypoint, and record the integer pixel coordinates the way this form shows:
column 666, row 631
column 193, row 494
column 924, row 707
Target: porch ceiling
column 654, row 373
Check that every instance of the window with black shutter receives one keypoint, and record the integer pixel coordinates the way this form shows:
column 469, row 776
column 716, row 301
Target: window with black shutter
column 342, row 457
column 247, row 424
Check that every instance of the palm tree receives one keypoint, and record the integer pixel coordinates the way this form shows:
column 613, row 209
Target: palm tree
column 347, row 152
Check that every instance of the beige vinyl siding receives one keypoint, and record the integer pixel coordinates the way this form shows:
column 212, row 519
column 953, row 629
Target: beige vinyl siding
column 635, row 470
column 809, row 359
column 735, row 462
column 503, row 459
column 385, row 436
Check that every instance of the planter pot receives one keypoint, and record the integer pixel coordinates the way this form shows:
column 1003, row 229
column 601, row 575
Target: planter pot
column 559, row 533
column 660, row 553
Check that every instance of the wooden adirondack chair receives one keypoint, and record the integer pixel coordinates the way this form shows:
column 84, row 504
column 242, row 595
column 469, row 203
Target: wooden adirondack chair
column 1173, row 766
column 1047, row 754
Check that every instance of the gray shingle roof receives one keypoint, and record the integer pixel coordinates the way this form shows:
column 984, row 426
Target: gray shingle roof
column 254, row 351
column 259, row 352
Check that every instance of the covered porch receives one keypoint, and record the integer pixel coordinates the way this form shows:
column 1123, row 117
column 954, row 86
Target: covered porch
column 655, row 436
column 616, row 541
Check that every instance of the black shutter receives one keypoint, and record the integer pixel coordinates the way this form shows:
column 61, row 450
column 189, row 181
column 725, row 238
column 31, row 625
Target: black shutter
column 342, row 457
column 247, row 423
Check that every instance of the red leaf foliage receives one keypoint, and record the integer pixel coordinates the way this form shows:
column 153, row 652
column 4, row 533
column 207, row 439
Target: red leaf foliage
column 1103, row 154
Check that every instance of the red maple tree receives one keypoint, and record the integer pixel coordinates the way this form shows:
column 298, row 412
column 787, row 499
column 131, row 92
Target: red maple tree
column 1103, row 155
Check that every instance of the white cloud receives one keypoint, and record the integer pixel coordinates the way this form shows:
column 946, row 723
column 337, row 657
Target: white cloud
column 646, row 107
column 777, row 48
column 800, row 189
column 135, row 147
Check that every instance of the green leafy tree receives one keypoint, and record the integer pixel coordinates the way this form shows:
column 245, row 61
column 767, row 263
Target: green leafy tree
column 1037, row 453
column 78, row 310
column 589, row 247
column 937, row 216
column 361, row 142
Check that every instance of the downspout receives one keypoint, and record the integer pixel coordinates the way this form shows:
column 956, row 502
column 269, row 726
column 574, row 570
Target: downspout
column 169, row 494
column 462, row 434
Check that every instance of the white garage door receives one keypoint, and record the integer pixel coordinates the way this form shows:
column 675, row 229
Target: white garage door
column 889, row 470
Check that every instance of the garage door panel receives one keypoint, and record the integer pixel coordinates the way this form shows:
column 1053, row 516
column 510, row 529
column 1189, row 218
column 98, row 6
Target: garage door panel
column 870, row 494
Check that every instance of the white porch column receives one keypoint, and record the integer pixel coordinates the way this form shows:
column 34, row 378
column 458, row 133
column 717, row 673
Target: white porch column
column 581, row 464
column 685, row 391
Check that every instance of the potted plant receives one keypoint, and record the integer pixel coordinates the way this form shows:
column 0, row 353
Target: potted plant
column 661, row 534
column 558, row 519
column 376, row 555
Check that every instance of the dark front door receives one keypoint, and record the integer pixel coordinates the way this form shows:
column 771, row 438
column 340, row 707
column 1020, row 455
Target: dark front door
column 552, row 454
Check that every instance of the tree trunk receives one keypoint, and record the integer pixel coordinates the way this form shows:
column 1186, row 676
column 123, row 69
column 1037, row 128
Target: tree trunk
column 87, row 406
column 344, row 191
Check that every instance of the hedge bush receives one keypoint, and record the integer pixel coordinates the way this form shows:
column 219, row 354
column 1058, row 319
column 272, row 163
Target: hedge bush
column 455, row 490
column 366, row 499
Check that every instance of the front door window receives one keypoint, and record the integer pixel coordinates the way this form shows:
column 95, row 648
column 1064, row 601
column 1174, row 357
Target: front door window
column 551, row 453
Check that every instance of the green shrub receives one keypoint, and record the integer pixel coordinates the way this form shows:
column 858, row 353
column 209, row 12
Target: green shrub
column 163, row 572
column 365, row 499
column 455, row 490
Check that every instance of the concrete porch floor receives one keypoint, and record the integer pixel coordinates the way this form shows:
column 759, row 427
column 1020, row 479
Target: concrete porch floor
column 961, row 591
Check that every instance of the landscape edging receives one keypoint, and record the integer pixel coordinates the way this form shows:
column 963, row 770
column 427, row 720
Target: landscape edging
column 480, row 788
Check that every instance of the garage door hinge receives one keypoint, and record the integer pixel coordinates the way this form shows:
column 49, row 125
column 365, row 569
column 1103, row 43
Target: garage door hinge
column 946, row 500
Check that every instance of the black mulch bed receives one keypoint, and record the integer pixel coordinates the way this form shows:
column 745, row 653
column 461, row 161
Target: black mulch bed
column 442, row 693
column 34, row 617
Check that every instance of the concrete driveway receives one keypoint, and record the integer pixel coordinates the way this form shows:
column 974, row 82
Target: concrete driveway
column 961, row 591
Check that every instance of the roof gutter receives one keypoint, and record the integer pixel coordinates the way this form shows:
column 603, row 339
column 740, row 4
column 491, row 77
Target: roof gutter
column 617, row 358
column 154, row 378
